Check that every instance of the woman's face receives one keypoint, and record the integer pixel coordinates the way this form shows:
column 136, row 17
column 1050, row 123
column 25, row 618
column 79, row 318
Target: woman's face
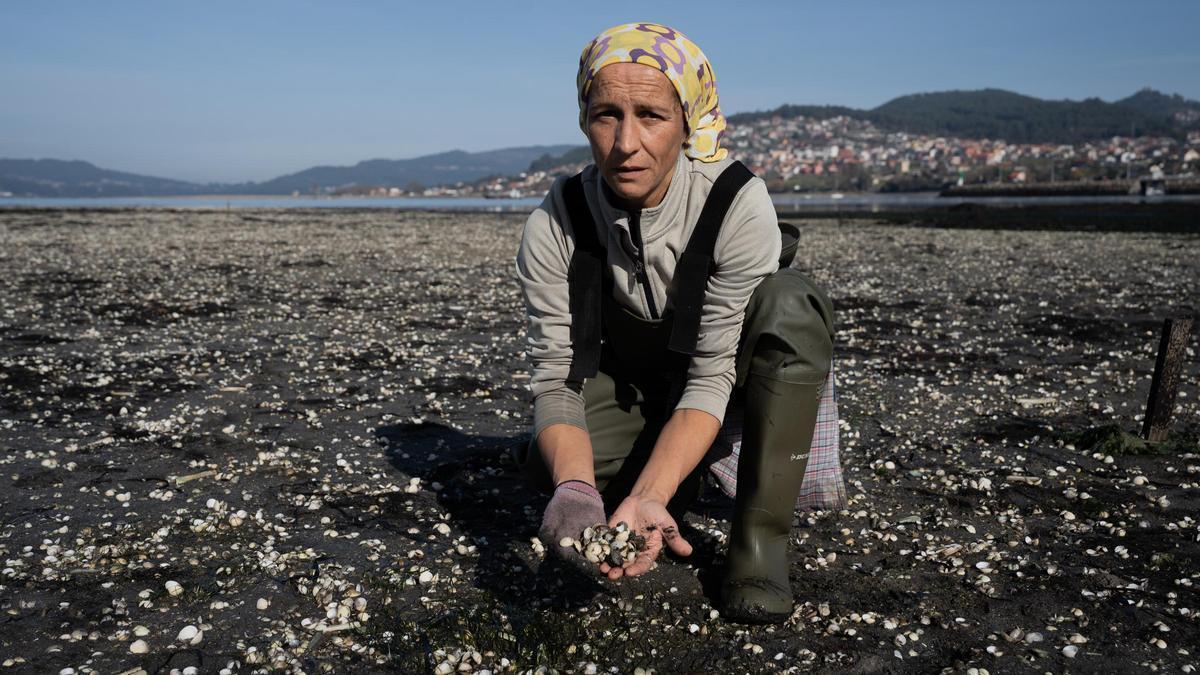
column 636, row 129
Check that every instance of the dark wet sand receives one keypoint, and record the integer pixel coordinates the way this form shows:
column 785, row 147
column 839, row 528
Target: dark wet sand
column 309, row 364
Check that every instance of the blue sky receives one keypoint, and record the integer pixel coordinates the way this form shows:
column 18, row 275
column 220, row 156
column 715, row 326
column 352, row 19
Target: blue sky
column 232, row 91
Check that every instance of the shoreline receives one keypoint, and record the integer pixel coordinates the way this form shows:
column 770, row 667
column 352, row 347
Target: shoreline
column 814, row 204
column 1147, row 215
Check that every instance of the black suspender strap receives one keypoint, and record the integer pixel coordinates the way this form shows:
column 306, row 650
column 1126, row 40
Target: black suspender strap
column 585, row 278
column 696, row 263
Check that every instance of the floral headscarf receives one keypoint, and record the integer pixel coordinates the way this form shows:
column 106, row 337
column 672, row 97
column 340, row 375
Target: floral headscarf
column 680, row 60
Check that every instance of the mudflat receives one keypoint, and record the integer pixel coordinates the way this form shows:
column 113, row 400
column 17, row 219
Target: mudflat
column 259, row 439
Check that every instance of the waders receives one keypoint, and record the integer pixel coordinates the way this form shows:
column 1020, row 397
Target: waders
column 783, row 363
column 631, row 372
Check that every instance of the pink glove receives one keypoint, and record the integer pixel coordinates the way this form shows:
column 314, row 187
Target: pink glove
column 574, row 507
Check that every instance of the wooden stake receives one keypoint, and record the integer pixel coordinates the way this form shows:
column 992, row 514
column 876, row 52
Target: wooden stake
column 180, row 480
column 1165, row 384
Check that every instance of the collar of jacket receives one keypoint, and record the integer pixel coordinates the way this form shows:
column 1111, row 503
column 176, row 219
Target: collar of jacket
column 654, row 221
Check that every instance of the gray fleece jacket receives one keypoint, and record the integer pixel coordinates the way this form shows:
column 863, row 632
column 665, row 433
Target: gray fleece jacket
column 747, row 251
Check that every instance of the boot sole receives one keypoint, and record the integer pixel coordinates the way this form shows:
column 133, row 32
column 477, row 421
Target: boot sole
column 749, row 612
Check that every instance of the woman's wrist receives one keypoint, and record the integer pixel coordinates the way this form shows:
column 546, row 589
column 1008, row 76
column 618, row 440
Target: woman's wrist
column 654, row 488
column 580, row 486
column 681, row 446
column 566, row 472
column 567, row 452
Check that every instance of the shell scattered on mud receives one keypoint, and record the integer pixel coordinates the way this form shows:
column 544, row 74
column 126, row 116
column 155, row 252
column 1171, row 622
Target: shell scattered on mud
column 252, row 440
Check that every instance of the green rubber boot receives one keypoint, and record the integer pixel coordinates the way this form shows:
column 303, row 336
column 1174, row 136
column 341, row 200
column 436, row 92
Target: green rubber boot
column 789, row 328
column 756, row 587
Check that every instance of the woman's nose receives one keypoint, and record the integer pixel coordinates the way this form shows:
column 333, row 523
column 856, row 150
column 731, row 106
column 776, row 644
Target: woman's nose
column 628, row 139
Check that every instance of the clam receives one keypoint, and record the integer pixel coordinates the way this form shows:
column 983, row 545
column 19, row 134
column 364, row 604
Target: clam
column 616, row 546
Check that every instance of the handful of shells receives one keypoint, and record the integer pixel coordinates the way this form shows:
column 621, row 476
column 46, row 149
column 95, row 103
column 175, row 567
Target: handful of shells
column 613, row 545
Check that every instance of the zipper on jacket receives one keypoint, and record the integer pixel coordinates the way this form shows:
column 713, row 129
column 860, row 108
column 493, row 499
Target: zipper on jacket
column 639, row 265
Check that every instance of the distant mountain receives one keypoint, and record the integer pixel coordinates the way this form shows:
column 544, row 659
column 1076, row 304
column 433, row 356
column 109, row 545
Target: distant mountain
column 444, row 168
column 996, row 113
column 548, row 161
column 1174, row 108
column 59, row 178
column 984, row 113
column 789, row 110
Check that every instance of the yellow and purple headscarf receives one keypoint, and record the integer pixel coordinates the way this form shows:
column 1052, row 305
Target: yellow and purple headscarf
column 678, row 58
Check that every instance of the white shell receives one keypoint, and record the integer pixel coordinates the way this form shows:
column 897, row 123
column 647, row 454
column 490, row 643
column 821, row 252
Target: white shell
column 594, row 552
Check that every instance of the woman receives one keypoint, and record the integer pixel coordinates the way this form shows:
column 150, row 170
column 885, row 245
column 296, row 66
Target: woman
column 642, row 277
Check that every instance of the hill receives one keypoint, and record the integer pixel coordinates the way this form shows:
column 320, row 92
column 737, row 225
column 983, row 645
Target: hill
column 996, row 113
column 984, row 113
column 789, row 110
column 60, row 178
column 550, row 161
column 444, row 168
column 1174, row 108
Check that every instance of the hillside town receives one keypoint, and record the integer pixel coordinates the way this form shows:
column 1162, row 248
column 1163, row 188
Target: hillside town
column 841, row 152
column 803, row 154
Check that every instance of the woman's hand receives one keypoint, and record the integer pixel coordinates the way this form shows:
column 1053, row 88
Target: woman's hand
column 650, row 519
column 576, row 505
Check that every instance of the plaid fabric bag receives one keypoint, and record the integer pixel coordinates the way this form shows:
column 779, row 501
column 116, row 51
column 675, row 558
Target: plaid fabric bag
column 823, row 486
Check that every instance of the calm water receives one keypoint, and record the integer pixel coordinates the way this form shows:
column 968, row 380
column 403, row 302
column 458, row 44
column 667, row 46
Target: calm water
column 923, row 200
column 798, row 202
column 408, row 203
